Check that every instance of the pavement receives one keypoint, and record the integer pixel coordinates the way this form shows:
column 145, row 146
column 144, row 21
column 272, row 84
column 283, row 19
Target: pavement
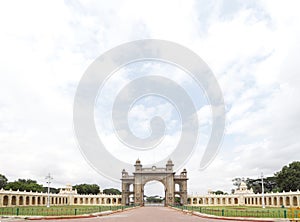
column 140, row 214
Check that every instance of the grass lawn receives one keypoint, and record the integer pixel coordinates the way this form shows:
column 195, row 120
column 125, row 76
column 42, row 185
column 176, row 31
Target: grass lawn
column 54, row 210
column 246, row 211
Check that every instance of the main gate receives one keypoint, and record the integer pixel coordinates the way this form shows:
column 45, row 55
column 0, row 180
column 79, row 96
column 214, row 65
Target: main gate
column 165, row 175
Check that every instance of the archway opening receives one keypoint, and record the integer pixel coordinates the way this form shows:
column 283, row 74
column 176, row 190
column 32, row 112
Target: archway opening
column 295, row 202
column 177, row 200
column 281, row 201
column 154, row 194
column 130, row 199
column 275, row 201
column 177, row 187
column 21, row 200
column 5, row 200
column 287, row 201
column 27, row 201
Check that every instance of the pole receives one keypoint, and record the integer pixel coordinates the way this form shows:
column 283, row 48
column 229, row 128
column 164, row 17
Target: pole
column 48, row 178
column 262, row 190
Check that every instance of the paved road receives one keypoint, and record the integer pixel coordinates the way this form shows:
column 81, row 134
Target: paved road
column 143, row 214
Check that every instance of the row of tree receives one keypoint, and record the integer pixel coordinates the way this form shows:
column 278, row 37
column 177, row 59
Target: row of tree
column 154, row 199
column 32, row 185
column 285, row 180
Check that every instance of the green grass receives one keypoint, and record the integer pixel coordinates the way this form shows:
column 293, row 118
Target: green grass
column 55, row 210
column 230, row 211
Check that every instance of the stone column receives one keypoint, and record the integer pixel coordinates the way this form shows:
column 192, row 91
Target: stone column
column 184, row 192
column 170, row 187
column 125, row 193
column 138, row 193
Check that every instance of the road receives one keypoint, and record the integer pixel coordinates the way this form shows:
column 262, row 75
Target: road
column 144, row 214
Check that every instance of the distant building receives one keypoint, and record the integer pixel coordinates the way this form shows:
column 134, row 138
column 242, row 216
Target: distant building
column 242, row 196
column 66, row 196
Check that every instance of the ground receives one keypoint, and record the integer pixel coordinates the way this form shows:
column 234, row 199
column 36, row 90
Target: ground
column 145, row 214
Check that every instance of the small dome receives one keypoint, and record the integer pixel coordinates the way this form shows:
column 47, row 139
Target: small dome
column 138, row 161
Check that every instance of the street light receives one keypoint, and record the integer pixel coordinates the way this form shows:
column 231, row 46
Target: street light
column 262, row 190
column 48, row 178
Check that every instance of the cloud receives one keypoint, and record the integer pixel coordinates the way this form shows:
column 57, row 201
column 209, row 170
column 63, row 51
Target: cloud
column 252, row 48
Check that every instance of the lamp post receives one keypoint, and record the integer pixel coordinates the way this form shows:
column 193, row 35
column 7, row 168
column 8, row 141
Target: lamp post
column 262, row 191
column 48, row 178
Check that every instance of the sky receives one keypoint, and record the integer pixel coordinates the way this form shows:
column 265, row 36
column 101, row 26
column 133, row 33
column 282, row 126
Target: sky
column 252, row 47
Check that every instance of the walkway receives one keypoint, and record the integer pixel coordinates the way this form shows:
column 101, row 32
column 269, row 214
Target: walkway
column 144, row 214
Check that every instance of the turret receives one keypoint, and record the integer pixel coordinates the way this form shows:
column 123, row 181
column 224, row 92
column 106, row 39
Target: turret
column 183, row 173
column 124, row 173
column 138, row 166
column 169, row 165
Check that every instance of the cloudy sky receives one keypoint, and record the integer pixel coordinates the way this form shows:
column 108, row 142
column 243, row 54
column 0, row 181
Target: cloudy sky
column 252, row 47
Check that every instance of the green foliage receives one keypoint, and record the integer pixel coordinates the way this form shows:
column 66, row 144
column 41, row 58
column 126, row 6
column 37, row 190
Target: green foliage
column 155, row 199
column 285, row 180
column 289, row 177
column 3, row 181
column 24, row 185
column 177, row 200
column 87, row 188
column 66, row 210
column 112, row 191
column 237, row 181
column 219, row 192
column 52, row 190
column 244, row 211
column 270, row 184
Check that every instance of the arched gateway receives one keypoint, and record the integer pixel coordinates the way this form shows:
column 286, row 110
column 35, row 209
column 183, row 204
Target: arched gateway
column 164, row 175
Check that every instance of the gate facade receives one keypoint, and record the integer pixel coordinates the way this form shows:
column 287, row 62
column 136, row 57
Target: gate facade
column 142, row 175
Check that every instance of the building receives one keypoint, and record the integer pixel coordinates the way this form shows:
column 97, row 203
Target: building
column 245, row 197
column 66, row 196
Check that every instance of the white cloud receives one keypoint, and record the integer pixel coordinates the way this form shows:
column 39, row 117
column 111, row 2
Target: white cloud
column 253, row 49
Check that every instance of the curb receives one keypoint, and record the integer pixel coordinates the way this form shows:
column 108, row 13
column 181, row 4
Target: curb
column 252, row 219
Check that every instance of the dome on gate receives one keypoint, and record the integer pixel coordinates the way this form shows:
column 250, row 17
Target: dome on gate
column 170, row 162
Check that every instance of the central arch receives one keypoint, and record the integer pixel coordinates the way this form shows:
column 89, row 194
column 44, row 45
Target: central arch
column 164, row 175
column 151, row 197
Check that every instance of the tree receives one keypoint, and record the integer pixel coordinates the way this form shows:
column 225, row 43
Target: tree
column 24, row 185
column 52, row 190
column 255, row 184
column 219, row 192
column 237, row 181
column 112, row 191
column 177, row 201
column 270, row 184
column 154, row 199
column 87, row 188
column 285, row 180
column 3, row 181
column 289, row 177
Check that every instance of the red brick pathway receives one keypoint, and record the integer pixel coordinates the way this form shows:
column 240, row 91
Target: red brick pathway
column 143, row 214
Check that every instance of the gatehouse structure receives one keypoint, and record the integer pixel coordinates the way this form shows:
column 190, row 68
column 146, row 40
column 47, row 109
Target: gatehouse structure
column 143, row 175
